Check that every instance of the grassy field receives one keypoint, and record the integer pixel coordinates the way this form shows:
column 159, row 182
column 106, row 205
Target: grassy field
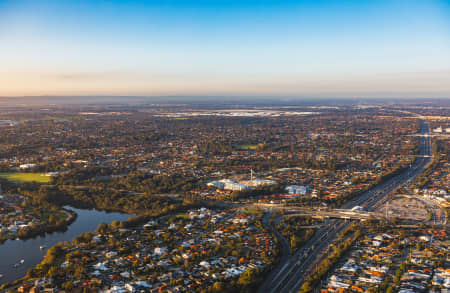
column 26, row 177
column 248, row 147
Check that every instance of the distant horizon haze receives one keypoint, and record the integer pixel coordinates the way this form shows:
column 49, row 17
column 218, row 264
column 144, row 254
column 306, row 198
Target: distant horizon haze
column 208, row 100
column 316, row 49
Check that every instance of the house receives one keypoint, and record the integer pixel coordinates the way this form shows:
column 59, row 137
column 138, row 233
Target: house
column 295, row 189
column 159, row 251
column 27, row 166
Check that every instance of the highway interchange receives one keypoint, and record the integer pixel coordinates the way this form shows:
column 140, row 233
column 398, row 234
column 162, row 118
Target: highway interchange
column 290, row 274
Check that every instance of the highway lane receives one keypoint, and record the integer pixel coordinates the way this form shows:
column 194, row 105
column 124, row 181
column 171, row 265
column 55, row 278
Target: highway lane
column 290, row 275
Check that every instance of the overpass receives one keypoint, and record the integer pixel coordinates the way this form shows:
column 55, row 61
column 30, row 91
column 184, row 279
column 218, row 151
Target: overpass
column 347, row 214
column 290, row 274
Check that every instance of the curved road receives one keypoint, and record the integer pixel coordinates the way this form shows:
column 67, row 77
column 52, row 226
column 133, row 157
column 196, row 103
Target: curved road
column 285, row 247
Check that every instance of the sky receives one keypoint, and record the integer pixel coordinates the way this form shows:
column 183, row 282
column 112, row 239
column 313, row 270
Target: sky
column 225, row 47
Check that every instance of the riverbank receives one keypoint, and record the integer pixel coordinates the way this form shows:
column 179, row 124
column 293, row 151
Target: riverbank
column 42, row 229
column 12, row 251
column 186, row 247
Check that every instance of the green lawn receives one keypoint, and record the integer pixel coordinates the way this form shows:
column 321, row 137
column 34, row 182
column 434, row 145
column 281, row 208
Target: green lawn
column 26, row 177
column 248, row 147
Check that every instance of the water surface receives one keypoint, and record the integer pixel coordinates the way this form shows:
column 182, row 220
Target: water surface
column 12, row 251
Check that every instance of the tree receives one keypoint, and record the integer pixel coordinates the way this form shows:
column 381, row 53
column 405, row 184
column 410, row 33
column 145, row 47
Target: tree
column 306, row 288
column 52, row 272
column 398, row 275
column 235, row 195
column 247, row 277
column 218, row 287
column 53, row 253
column 102, row 228
column 293, row 241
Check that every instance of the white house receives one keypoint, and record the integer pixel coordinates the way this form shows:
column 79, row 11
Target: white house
column 295, row 189
column 159, row 251
column 27, row 166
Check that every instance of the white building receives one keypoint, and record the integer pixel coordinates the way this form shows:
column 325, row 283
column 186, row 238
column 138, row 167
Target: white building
column 228, row 184
column 258, row 182
column 236, row 186
column 27, row 166
column 159, row 251
column 295, row 189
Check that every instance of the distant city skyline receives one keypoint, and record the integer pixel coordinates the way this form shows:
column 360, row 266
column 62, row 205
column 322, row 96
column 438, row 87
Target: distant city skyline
column 272, row 48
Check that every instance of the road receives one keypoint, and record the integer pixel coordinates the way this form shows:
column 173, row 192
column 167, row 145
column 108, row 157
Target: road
column 285, row 246
column 289, row 275
column 348, row 214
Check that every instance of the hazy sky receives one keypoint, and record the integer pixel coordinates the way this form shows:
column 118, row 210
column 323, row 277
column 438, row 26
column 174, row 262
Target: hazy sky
column 302, row 48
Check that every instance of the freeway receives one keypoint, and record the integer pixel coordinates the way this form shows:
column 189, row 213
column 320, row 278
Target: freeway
column 289, row 275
